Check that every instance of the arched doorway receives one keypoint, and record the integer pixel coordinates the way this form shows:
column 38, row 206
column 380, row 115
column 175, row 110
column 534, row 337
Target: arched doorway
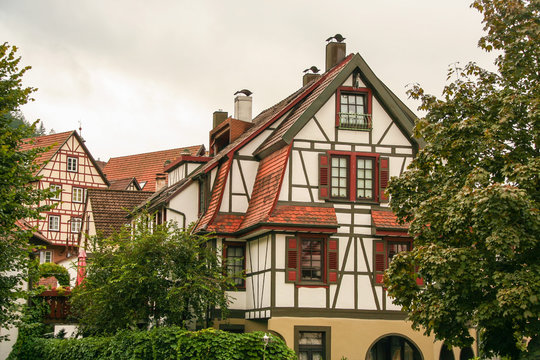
column 446, row 353
column 466, row 354
column 393, row 347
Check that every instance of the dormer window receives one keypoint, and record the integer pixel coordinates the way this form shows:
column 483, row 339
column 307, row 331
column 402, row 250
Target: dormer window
column 353, row 108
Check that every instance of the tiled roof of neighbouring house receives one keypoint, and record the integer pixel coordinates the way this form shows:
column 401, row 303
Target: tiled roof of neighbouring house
column 144, row 167
column 111, row 208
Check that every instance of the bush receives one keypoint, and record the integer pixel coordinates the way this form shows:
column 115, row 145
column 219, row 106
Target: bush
column 58, row 271
column 162, row 343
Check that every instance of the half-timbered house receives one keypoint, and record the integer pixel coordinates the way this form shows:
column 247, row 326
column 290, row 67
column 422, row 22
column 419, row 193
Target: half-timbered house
column 67, row 166
column 296, row 200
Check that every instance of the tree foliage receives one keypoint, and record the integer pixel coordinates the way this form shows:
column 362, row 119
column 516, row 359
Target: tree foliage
column 19, row 199
column 472, row 195
column 149, row 277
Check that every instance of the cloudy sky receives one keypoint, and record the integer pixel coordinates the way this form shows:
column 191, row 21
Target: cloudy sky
column 144, row 76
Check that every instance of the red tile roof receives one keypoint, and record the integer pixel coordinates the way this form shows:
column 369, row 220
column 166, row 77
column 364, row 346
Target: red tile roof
column 304, row 215
column 55, row 141
column 266, row 188
column 385, row 219
column 144, row 167
column 217, row 194
column 226, row 223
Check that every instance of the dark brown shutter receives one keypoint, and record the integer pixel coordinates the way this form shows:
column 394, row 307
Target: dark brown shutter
column 333, row 266
column 292, row 259
column 324, row 176
column 379, row 263
column 384, row 176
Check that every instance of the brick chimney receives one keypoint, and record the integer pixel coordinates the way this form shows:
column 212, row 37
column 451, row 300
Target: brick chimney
column 308, row 77
column 219, row 117
column 335, row 53
column 242, row 108
column 161, row 181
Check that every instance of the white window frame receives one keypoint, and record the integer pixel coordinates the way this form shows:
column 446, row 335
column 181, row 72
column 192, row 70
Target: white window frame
column 76, row 224
column 56, row 222
column 72, row 164
column 45, row 256
column 79, row 198
column 55, row 187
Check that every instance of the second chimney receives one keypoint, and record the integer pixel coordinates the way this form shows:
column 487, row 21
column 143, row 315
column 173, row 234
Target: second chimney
column 219, row 117
column 242, row 108
column 335, row 52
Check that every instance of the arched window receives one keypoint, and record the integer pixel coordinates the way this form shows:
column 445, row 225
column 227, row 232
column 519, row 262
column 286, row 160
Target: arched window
column 466, row 354
column 446, row 353
column 393, row 348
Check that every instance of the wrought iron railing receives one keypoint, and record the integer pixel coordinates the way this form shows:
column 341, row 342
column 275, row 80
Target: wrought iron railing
column 352, row 121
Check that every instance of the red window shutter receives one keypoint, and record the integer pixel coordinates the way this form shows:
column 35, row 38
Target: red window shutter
column 379, row 263
column 333, row 260
column 324, row 176
column 384, row 176
column 292, row 259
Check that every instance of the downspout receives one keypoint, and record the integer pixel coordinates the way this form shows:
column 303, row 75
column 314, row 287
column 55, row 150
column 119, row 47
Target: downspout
column 179, row 213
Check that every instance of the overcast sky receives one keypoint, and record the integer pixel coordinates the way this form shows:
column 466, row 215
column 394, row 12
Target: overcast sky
column 144, row 76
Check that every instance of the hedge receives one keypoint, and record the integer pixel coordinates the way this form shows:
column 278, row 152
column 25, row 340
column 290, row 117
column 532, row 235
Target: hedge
column 167, row 343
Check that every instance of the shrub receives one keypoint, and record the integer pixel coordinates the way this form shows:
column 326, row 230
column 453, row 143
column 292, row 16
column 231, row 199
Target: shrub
column 58, row 271
column 161, row 343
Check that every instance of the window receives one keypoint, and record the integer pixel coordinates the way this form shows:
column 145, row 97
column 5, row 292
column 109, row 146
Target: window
column 76, row 225
column 58, row 188
column 234, row 255
column 339, row 177
column 312, row 342
column 45, row 257
column 312, row 260
column 395, row 348
column 78, row 195
column 54, row 223
column 203, row 195
column 72, row 164
column 353, row 176
column 353, row 108
column 385, row 250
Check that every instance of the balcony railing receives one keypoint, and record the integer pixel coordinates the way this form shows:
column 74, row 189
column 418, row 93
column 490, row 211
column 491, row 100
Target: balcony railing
column 352, row 121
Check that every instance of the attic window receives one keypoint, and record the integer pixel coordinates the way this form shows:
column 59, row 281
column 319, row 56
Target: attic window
column 353, row 108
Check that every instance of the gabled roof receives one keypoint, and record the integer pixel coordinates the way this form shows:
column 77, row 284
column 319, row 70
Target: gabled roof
column 124, row 184
column 55, row 142
column 399, row 112
column 144, row 167
column 111, row 208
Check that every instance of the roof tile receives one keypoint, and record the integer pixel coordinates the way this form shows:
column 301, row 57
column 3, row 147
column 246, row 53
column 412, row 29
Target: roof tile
column 384, row 219
column 144, row 167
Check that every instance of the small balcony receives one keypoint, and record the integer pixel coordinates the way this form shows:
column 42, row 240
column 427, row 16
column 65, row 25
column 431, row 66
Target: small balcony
column 353, row 121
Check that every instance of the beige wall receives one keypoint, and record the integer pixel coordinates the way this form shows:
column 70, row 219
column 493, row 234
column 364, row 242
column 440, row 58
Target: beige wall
column 352, row 338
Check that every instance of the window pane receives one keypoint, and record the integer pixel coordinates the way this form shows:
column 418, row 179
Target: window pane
column 310, row 338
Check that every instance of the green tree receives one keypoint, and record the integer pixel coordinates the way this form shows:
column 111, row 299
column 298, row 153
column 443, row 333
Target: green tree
column 472, row 195
column 19, row 199
column 149, row 277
